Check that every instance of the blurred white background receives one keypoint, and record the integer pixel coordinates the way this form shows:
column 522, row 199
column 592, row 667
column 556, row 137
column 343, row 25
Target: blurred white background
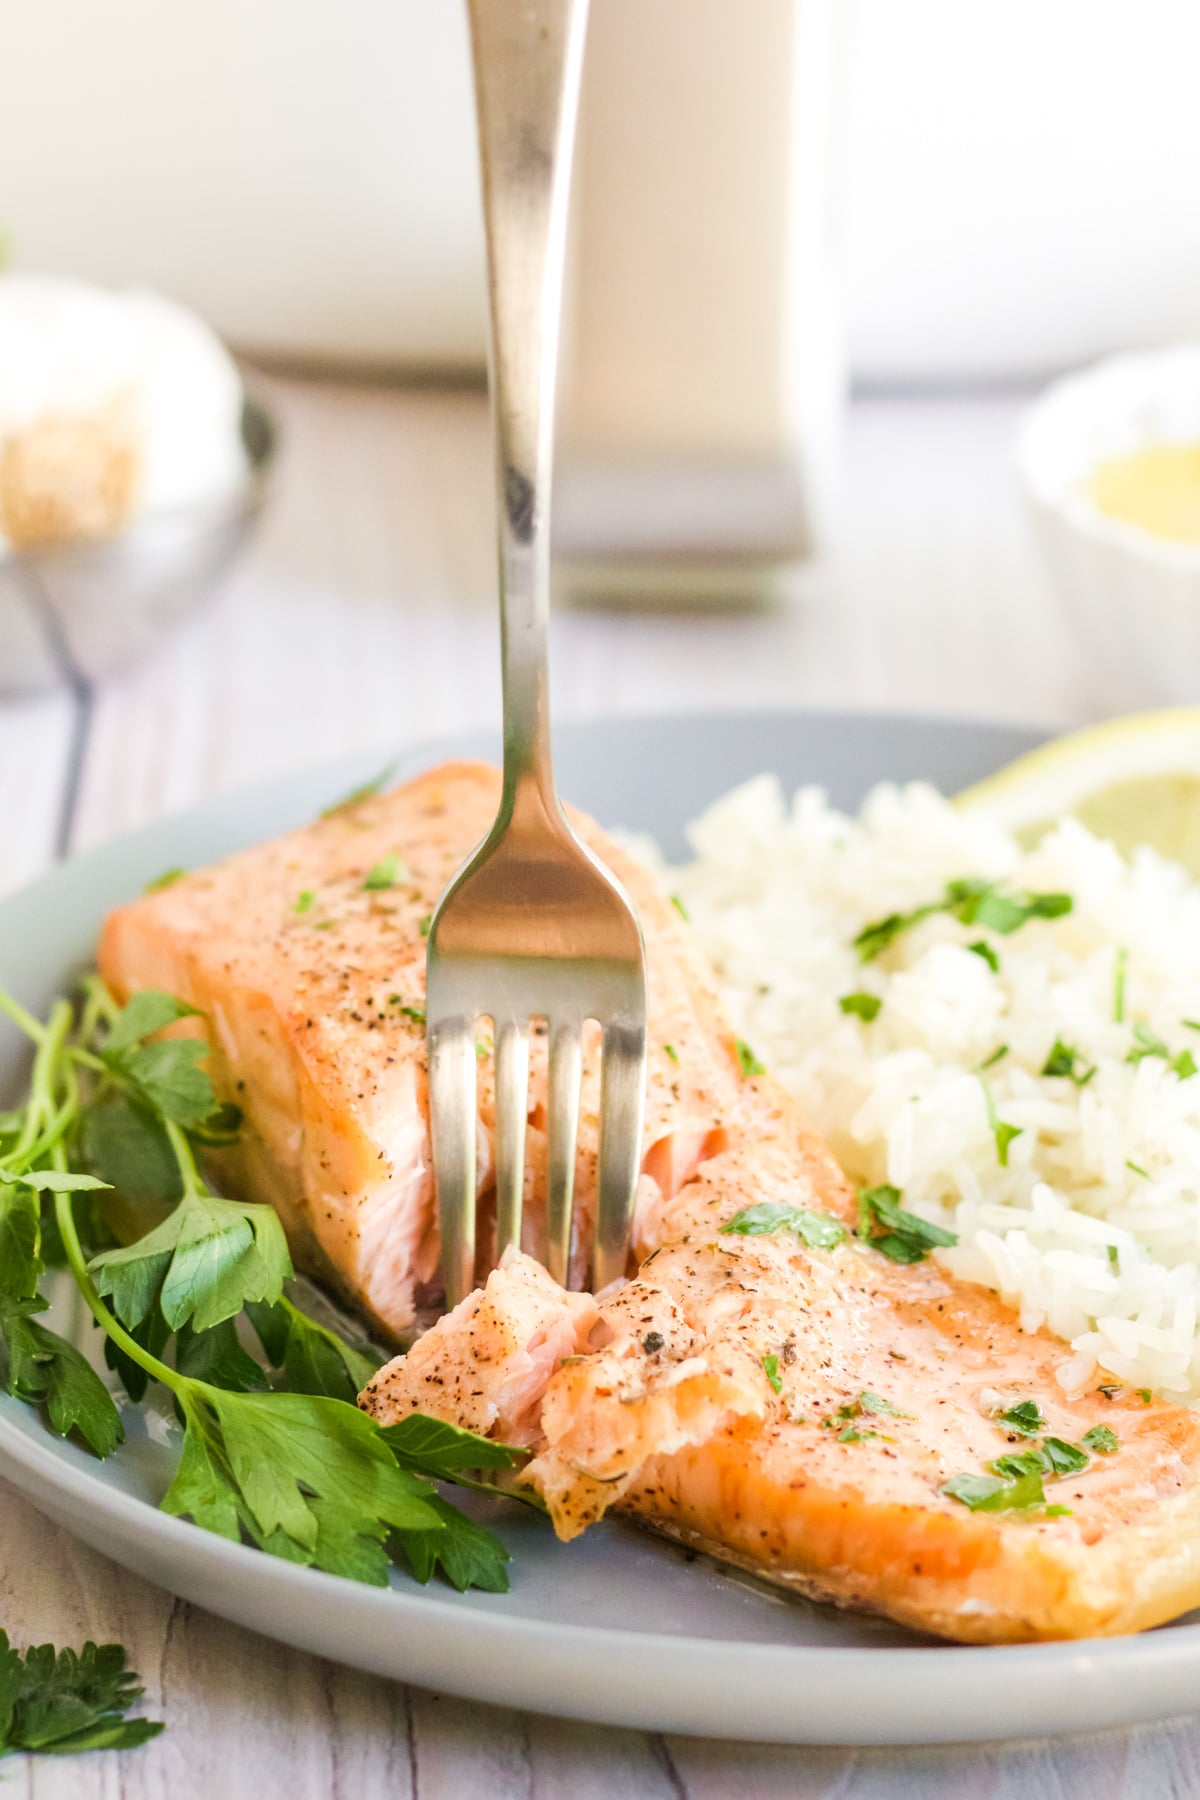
column 1013, row 186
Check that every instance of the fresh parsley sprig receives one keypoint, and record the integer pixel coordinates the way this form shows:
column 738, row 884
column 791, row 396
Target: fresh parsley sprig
column 284, row 1461
column 37, row 1365
column 56, row 1702
column 302, row 1476
column 204, row 1264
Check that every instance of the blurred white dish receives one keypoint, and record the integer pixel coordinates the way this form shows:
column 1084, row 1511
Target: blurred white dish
column 1134, row 594
column 130, row 467
column 74, row 613
column 113, row 406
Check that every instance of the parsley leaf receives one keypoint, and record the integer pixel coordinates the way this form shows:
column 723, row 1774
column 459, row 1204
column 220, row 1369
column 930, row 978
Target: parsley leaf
column 1101, row 1440
column 36, row 1365
column 991, row 1493
column 1002, row 1132
column 681, row 909
column 748, row 1063
column 425, row 923
column 54, row 1703
column 1062, row 1060
column 982, row 948
column 1024, row 1417
column 861, row 1006
column 670, row 1050
column 875, row 1403
column 1150, row 1044
column 128, row 1147
column 313, row 1358
column 877, row 937
column 1120, row 969
column 201, row 1265
column 983, row 903
column 44, row 1370
column 1014, row 1467
column 167, row 879
column 819, row 1230
column 446, row 1452
column 1064, row 1458
column 771, row 1371
column 20, row 1262
column 384, row 874
column 148, row 1011
column 304, row 1477
column 53, row 1181
column 215, row 1356
column 164, row 1074
column 306, row 899
column 973, row 902
column 900, row 1235
column 465, row 1552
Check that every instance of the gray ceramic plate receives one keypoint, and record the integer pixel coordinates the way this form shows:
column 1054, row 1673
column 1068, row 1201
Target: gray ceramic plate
column 616, row 1628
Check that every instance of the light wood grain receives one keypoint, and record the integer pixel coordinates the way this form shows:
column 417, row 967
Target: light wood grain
column 35, row 748
column 364, row 617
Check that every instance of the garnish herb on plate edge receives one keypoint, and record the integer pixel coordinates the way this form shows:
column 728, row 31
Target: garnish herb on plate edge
column 279, row 1457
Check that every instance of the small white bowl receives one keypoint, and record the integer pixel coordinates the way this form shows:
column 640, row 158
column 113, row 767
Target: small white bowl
column 1135, row 596
column 73, row 614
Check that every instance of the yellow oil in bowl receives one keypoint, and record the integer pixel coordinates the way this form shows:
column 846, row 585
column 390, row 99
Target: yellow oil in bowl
column 1157, row 488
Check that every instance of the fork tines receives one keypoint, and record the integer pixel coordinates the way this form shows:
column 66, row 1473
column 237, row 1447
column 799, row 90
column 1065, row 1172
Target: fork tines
column 454, row 1056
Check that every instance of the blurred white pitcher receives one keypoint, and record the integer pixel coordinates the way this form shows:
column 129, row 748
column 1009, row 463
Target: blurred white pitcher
column 703, row 368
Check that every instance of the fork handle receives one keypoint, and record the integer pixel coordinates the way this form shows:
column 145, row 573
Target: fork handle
column 527, row 57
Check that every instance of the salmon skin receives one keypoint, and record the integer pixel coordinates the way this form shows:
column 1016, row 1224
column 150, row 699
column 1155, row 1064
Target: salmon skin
column 305, row 957
column 791, row 1408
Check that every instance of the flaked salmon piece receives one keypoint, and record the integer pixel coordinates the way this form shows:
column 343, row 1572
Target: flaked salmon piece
column 515, row 1331
column 797, row 1412
column 309, row 972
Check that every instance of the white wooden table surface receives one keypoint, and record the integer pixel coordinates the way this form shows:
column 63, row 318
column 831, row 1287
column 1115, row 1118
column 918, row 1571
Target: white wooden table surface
column 364, row 617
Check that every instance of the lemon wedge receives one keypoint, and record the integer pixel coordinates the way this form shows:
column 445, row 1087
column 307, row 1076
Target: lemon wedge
column 1134, row 781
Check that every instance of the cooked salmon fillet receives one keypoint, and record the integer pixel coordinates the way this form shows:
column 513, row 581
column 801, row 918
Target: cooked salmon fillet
column 792, row 1409
column 662, row 1404
column 305, row 958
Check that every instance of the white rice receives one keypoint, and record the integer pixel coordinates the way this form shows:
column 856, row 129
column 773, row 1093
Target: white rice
column 778, row 894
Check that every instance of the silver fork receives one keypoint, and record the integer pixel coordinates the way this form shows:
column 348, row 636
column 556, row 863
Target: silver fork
column 533, row 926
